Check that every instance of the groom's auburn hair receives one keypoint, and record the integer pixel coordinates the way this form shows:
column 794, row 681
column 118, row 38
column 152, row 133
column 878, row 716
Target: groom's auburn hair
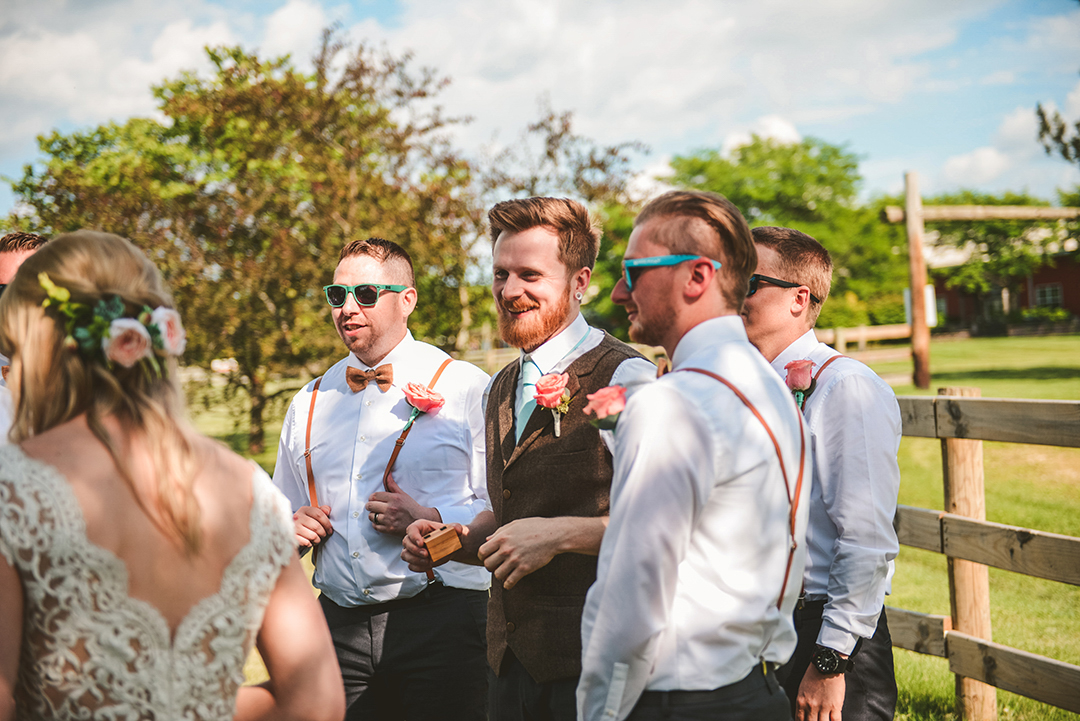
column 579, row 233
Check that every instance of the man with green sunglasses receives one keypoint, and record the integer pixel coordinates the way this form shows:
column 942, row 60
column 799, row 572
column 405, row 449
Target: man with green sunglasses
column 408, row 649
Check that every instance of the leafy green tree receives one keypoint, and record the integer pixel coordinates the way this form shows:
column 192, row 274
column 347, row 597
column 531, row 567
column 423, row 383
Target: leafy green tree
column 999, row 253
column 812, row 186
column 260, row 176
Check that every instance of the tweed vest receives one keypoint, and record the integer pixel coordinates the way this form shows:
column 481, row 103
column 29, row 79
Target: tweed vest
column 545, row 476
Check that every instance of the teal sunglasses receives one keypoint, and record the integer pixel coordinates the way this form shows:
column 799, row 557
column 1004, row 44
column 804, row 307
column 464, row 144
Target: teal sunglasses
column 632, row 267
column 366, row 294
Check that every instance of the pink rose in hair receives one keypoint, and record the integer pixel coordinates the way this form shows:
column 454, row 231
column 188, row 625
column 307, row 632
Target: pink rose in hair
column 606, row 402
column 127, row 342
column 549, row 390
column 423, row 398
column 173, row 336
column 798, row 374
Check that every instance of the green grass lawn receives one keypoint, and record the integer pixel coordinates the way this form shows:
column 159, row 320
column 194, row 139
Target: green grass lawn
column 1032, row 486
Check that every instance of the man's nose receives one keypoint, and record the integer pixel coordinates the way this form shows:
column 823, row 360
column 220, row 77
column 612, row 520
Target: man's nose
column 619, row 294
column 350, row 305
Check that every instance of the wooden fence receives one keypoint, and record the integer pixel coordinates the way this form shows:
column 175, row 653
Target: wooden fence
column 962, row 421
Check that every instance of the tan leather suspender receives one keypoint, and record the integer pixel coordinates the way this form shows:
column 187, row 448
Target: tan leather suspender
column 793, row 501
column 393, row 456
column 826, row 365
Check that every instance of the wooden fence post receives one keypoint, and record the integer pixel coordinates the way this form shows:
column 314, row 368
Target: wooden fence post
column 969, row 583
column 920, row 332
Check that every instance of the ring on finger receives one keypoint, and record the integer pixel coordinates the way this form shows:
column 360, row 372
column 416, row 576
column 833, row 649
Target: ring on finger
column 374, row 517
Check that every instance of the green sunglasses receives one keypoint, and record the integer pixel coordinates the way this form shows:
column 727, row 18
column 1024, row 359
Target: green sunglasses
column 365, row 294
column 632, row 267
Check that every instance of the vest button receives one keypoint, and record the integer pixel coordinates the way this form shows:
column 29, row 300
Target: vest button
column 510, row 627
column 506, row 493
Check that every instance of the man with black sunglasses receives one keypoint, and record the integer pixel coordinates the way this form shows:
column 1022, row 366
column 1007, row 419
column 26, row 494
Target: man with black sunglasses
column 548, row 479
column 409, row 647
column 843, row 666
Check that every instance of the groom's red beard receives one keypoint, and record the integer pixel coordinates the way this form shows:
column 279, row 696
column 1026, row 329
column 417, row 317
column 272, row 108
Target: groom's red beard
column 530, row 332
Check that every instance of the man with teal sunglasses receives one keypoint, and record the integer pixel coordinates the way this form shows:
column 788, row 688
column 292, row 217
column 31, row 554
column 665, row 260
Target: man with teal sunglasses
column 632, row 267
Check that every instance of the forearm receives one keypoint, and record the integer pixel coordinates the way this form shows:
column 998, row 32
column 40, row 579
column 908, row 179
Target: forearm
column 579, row 534
column 476, row 533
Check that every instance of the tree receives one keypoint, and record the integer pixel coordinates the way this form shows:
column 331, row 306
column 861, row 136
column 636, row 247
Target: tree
column 812, row 186
column 1000, row 254
column 262, row 174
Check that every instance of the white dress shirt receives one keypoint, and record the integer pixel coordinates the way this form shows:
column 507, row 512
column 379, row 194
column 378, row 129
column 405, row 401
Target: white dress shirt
column 441, row 465
column 855, row 423
column 574, row 341
column 694, row 557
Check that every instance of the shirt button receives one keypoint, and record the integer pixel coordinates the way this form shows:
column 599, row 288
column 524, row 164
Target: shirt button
column 359, row 476
column 356, row 554
column 367, row 403
column 510, row 627
column 367, row 591
column 356, row 514
column 363, row 438
column 506, row 493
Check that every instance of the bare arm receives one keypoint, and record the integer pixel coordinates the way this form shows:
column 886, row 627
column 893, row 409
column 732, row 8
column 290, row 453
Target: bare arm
column 11, row 620
column 305, row 682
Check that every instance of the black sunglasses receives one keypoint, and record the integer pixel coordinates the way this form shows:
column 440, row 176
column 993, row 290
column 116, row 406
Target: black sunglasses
column 756, row 280
column 366, row 294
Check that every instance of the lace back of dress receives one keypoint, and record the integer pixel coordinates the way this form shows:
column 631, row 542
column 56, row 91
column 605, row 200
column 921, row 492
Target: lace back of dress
column 89, row 650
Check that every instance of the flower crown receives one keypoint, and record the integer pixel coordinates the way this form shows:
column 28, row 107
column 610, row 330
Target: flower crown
column 103, row 332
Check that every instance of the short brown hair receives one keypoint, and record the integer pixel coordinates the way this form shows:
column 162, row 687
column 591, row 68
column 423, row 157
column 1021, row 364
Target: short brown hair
column 579, row 234
column 803, row 260
column 18, row 240
column 729, row 242
column 384, row 251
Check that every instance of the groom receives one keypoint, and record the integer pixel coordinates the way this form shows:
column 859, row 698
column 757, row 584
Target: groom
column 548, row 490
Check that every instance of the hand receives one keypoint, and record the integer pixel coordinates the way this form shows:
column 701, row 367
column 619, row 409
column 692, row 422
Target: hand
column 415, row 553
column 392, row 511
column 821, row 698
column 521, row 547
column 311, row 525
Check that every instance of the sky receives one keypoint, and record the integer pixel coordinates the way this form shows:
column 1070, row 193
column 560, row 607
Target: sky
column 945, row 88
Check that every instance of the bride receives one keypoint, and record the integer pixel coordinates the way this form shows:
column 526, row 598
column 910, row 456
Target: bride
column 139, row 561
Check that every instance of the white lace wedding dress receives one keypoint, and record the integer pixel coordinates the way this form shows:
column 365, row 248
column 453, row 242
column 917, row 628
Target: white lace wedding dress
column 90, row 651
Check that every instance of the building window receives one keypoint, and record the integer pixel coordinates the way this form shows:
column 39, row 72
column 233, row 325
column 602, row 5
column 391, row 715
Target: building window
column 1048, row 295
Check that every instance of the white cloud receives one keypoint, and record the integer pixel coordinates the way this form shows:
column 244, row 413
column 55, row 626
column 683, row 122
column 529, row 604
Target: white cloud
column 1001, row 77
column 772, row 127
column 980, row 166
column 1018, row 133
column 294, row 29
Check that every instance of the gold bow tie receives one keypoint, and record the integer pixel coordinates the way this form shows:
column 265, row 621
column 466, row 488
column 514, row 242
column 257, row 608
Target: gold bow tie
column 358, row 379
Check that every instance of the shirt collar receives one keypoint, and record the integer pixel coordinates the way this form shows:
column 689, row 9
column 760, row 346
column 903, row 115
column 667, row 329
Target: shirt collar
column 400, row 355
column 725, row 329
column 800, row 348
column 555, row 349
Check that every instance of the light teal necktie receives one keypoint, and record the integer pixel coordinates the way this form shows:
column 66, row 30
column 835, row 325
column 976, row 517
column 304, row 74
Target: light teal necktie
column 530, row 373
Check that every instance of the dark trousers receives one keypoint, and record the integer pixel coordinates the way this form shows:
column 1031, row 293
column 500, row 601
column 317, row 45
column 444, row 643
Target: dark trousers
column 418, row 658
column 870, row 693
column 758, row 697
column 514, row 696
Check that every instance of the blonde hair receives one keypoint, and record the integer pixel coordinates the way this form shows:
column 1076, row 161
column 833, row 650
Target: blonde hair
column 55, row 383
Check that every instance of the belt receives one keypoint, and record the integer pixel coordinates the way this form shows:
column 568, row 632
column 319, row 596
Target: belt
column 760, row 677
column 426, row 594
column 808, row 611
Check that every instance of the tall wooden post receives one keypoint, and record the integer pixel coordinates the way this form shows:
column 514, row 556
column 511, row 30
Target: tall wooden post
column 920, row 332
column 969, row 583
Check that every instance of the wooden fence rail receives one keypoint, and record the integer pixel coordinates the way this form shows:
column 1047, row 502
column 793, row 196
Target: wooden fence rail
column 972, row 543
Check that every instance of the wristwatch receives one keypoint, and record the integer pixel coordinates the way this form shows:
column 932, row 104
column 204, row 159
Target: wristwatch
column 829, row 661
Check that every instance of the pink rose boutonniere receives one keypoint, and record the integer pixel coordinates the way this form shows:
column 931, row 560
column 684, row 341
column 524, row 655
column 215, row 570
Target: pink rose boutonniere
column 607, row 403
column 799, row 380
column 551, row 393
column 423, row 400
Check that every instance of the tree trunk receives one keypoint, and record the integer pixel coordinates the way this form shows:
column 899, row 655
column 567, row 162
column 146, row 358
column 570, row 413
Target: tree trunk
column 257, row 396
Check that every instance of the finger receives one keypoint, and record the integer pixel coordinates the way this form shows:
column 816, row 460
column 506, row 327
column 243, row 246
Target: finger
column 376, row 506
column 391, row 485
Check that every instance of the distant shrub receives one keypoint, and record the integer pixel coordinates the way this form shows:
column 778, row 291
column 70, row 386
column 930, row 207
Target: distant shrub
column 1045, row 314
column 886, row 309
column 845, row 311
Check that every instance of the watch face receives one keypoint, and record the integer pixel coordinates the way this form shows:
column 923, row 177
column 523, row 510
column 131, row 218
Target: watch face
column 826, row 660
